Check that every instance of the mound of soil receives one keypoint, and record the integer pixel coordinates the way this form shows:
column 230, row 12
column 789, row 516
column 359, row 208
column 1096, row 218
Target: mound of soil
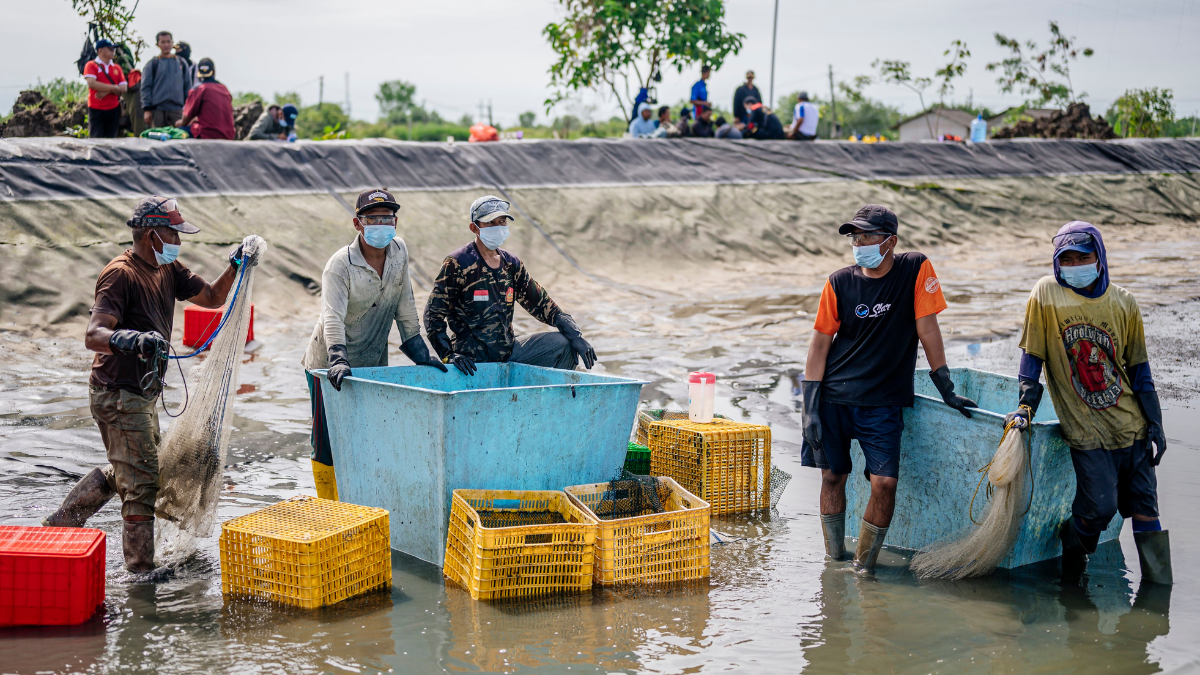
column 1074, row 122
column 35, row 115
column 244, row 117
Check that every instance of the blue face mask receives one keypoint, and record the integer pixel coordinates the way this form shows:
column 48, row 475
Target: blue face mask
column 169, row 252
column 493, row 237
column 1079, row 276
column 378, row 236
column 868, row 256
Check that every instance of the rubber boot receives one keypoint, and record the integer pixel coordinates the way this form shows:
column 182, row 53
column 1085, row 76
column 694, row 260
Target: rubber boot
column 1154, row 554
column 326, row 481
column 833, row 526
column 870, row 541
column 137, row 539
column 87, row 497
column 1075, row 551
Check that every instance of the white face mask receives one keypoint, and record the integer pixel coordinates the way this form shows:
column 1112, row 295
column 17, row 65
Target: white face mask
column 493, row 237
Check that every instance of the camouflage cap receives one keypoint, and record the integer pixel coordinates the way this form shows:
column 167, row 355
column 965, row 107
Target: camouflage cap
column 154, row 211
column 488, row 208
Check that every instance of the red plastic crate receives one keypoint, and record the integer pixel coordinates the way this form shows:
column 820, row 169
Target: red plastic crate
column 50, row 575
column 199, row 323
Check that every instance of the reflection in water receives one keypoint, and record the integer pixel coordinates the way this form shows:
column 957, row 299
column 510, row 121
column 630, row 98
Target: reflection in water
column 39, row 649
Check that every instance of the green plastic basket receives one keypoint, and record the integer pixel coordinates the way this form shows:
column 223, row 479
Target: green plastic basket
column 637, row 459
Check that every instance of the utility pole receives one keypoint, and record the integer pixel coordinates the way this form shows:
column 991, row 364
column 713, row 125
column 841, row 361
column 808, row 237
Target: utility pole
column 347, row 93
column 490, row 113
column 833, row 125
column 321, row 91
column 774, row 32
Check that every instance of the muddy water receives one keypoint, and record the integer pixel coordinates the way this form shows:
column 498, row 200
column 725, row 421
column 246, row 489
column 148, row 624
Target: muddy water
column 773, row 604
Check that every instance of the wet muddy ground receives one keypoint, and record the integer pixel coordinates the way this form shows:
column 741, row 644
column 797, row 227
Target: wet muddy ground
column 773, row 603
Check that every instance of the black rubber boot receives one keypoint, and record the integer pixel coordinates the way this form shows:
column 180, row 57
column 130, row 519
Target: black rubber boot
column 1075, row 551
column 87, row 497
column 1154, row 554
column 138, row 542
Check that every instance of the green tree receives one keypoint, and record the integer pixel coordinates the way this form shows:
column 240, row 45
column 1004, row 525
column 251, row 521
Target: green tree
column 313, row 120
column 600, row 43
column 1142, row 113
column 900, row 73
column 565, row 125
column 244, row 97
column 111, row 20
column 466, row 120
column 1032, row 71
column 395, row 99
column 286, row 98
column 527, row 118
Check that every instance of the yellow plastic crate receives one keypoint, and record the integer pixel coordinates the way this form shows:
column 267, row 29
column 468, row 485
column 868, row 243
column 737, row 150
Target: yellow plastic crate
column 726, row 463
column 649, row 416
column 513, row 543
column 651, row 547
column 306, row 552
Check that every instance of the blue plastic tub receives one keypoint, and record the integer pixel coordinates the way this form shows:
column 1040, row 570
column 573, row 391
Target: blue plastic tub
column 940, row 457
column 404, row 437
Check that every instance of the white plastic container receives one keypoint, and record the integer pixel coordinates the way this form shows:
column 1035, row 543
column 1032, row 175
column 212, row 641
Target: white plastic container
column 701, row 391
column 979, row 130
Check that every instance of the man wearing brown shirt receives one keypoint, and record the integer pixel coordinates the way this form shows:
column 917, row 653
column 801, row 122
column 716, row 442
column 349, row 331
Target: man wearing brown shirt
column 129, row 330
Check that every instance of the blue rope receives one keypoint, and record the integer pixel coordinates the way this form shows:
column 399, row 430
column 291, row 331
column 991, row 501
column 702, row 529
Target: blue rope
column 224, row 318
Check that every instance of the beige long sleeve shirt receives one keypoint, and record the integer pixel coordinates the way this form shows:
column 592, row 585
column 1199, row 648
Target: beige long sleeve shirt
column 358, row 307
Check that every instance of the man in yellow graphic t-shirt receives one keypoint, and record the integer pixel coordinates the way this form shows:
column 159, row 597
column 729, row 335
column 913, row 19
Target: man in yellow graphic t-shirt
column 1088, row 334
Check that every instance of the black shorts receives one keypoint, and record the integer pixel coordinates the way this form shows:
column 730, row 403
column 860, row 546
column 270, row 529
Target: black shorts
column 1114, row 481
column 877, row 428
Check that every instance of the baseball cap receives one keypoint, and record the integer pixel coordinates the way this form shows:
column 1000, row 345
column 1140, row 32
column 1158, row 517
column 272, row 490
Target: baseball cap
column 872, row 218
column 802, row 96
column 155, row 211
column 205, row 67
column 1074, row 241
column 749, row 73
column 488, row 208
column 104, row 42
column 375, row 197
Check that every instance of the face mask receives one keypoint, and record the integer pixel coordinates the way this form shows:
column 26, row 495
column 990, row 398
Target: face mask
column 493, row 237
column 868, row 256
column 378, row 236
column 1079, row 276
column 169, row 252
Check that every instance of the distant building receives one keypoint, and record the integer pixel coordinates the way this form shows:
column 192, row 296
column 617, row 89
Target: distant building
column 953, row 122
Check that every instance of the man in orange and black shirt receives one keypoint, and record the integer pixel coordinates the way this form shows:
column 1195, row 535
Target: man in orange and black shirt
column 859, row 374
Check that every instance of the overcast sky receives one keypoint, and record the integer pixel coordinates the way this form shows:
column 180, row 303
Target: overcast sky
column 461, row 52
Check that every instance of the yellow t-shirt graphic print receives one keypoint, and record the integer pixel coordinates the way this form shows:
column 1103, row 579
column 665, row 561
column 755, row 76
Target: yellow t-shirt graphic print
column 1088, row 346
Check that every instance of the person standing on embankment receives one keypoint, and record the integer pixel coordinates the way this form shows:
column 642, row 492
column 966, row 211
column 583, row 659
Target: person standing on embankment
column 129, row 331
column 859, row 374
column 474, row 296
column 1089, row 331
column 166, row 81
column 364, row 288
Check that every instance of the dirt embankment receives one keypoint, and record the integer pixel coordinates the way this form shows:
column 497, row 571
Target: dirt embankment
column 1074, row 122
column 36, row 115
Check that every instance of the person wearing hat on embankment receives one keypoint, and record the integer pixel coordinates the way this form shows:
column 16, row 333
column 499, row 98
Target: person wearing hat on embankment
column 208, row 112
column 106, row 82
column 474, row 296
column 859, row 375
column 740, row 94
column 364, row 289
column 130, row 331
column 1088, row 332
column 804, row 119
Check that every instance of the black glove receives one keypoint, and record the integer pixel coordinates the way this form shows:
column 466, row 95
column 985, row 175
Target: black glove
column 945, row 386
column 463, row 362
column 128, row 342
column 814, row 431
column 235, row 257
column 1154, row 431
column 441, row 344
column 415, row 349
column 1027, row 404
column 339, row 366
column 566, row 325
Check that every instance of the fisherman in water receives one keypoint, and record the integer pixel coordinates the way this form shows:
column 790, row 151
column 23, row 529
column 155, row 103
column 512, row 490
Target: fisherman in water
column 129, row 330
column 474, row 296
column 859, row 374
column 1088, row 332
column 364, row 288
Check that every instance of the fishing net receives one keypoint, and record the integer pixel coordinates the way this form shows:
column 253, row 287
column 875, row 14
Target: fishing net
column 629, row 495
column 779, row 483
column 990, row 541
column 191, row 455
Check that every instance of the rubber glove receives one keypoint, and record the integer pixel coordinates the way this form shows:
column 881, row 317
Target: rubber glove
column 339, row 366
column 441, row 344
column 566, row 325
column 463, row 362
column 1154, row 430
column 1031, row 397
column 814, row 431
column 128, row 342
column 235, row 257
column 945, row 386
column 415, row 349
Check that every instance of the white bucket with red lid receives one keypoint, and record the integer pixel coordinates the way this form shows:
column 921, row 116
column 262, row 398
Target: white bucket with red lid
column 701, row 391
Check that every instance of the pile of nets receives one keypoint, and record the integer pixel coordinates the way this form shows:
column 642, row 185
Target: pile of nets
column 986, row 546
column 629, row 495
column 191, row 456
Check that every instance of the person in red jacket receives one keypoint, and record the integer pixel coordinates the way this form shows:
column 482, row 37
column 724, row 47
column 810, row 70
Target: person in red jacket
column 208, row 112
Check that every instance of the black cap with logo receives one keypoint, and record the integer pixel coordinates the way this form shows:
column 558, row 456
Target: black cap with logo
column 872, row 218
column 375, row 197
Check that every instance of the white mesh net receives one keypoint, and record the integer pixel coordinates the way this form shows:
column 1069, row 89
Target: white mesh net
column 192, row 453
column 990, row 541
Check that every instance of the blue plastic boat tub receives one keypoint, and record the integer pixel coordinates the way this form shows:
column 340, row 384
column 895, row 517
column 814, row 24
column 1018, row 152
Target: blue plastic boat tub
column 404, row 437
column 940, row 456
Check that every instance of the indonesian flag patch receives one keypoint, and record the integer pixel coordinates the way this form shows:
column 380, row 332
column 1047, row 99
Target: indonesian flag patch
column 481, row 296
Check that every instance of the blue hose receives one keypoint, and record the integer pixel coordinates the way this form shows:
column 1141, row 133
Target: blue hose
column 224, row 318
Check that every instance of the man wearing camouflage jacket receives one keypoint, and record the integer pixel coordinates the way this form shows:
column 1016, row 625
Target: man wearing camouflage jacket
column 474, row 297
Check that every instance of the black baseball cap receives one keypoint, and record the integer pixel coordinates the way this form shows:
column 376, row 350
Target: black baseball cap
column 157, row 211
column 872, row 218
column 205, row 67
column 369, row 199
